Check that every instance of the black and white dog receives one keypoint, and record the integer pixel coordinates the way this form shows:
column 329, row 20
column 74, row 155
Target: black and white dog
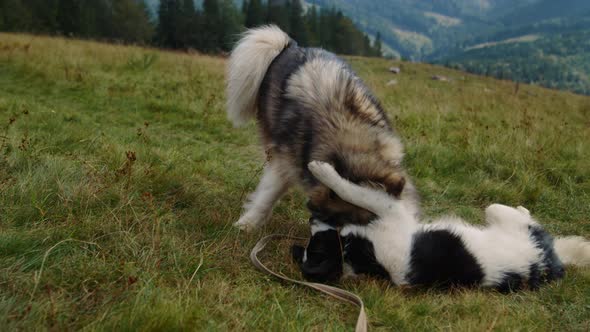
column 511, row 252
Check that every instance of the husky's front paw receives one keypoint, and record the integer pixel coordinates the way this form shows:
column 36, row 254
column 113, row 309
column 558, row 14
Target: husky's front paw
column 323, row 171
column 250, row 222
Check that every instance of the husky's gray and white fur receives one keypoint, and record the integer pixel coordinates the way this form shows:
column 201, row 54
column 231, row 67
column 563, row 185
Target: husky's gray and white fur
column 511, row 252
column 311, row 106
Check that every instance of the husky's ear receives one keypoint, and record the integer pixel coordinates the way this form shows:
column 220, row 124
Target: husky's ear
column 394, row 185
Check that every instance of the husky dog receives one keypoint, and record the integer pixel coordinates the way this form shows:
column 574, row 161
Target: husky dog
column 511, row 252
column 311, row 106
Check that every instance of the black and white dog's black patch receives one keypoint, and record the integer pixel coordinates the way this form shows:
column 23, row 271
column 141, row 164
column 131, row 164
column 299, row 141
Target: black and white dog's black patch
column 511, row 252
column 439, row 257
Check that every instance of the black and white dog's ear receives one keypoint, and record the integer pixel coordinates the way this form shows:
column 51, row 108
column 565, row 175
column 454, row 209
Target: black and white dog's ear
column 321, row 261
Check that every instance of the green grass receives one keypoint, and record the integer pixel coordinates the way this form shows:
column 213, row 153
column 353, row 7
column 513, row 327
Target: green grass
column 120, row 179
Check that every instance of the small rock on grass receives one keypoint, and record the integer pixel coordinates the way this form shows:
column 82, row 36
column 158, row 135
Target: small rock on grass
column 441, row 78
column 395, row 70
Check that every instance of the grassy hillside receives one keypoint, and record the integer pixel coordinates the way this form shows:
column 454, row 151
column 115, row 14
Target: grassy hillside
column 120, row 179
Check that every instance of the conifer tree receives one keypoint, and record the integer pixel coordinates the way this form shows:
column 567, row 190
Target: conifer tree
column 326, row 28
column 44, row 15
column 96, row 19
column 277, row 12
column 169, row 14
column 254, row 14
column 211, row 26
column 131, row 22
column 297, row 23
column 245, row 5
column 15, row 15
column 313, row 26
column 367, row 47
column 189, row 25
column 340, row 35
column 230, row 25
column 68, row 17
column 378, row 46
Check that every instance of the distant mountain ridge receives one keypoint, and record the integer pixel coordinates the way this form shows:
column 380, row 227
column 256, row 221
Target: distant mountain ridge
column 544, row 42
column 420, row 29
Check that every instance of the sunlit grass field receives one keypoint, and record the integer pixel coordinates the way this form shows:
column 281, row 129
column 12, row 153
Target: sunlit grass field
column 120, row 178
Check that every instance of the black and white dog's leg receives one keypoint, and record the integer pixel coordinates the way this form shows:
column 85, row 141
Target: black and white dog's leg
column 508, row 217
column 258, row 209
column 375, row 201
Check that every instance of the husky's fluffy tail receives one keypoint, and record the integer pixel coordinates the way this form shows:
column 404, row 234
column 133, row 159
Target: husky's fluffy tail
column 247, row 67
column 573, row 250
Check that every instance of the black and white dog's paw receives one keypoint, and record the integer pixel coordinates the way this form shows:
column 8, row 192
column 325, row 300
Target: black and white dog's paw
column 523, row 210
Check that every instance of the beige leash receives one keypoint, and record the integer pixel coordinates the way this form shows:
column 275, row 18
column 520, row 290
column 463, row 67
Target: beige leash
column 342, row 295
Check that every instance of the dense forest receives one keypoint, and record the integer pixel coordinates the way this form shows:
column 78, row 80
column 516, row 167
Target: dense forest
column 124, row 20
column 211, row 27
column 554, row 54
column 543, row 42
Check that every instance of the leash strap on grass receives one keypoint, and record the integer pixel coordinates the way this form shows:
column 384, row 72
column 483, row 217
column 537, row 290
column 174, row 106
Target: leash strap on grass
column 340, row 294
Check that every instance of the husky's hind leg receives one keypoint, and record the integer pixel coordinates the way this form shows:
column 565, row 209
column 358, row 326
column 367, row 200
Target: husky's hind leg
column 258, row 209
